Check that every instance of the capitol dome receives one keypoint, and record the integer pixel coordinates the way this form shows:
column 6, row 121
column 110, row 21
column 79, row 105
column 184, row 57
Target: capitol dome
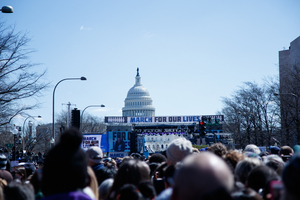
column 138, row 102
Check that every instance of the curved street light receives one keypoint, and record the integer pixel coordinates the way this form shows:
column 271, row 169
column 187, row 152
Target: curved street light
column 7, row 9
column 24, row 131
column 65, row 79
column 102, row 106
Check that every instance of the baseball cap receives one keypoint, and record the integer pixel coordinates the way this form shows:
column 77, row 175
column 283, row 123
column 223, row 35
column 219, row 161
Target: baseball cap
column 95, row 154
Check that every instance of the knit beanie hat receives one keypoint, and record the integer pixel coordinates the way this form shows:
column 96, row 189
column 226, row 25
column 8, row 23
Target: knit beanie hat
column 65, row 167
column 178, row 150
column 3, row 161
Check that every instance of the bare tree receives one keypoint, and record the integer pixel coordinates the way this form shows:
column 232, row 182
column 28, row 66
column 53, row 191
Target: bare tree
column 92, row 124
column 251, row 113
column 18, row 78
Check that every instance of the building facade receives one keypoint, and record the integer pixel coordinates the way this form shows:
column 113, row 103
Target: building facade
column 289, row 93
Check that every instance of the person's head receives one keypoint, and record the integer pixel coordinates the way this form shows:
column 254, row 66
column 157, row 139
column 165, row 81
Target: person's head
column 275, row 162
column 29, row 167
column 94, row 155
column 252, row 148
column 3, row 161
column 65, row 167
column 296, row 148
column 105, row 187
column 291, row 177
column 259, row 177
column 218, row 148
column 232, row 158
column 6, row 175
column 129, row 191
column 286, row 152
column 147, row 189
column 105, row 173
column 131, row 171
column 202, row 176
column 244, row 167
column 17, row 190
column 178, row 150
column 19, row 172
column 274, row 150
column 157, row 158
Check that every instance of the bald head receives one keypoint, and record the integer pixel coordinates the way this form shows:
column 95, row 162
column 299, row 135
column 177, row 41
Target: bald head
column 200, row 175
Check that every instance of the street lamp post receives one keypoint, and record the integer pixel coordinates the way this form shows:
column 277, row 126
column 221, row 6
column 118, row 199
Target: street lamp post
column 14, row 132
column 24, row 130
column 102, row 105
column 7, row 9
column 297, row 111
column 65, row 79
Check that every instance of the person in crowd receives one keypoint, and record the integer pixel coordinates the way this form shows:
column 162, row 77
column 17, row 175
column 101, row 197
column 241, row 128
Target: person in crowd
column 275, row 162
column 195, row 150
column 147, row 190
column 246, row 194
column 95, row 161
column 260, row 176
column 65, row 173
column 168, row 179
column 131, row 171
column 35, row 181
column 18, row 191
column 178, row 149
column 95, row 156
column 232, row 158
column 119, row 144
column 105, row 187
column 1, row 191
column 158, row 177
column 154, row 161
column 203, row 176
column 296, row 148
column 218, row 148
column 252, row 148
column 286, row 152
column 29, row 168
column 243, row 170
column 19, row 172
column 129, row 191
column 291, row 177
column 92, row 187
column 157, row 158
column 4, row 174
column 274, row 150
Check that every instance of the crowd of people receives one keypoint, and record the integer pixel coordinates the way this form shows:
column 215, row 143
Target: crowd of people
column 180, row 173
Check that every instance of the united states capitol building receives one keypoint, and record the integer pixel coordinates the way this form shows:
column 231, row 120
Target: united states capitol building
column 138, row 102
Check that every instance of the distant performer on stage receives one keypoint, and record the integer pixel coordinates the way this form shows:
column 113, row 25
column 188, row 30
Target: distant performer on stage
column 119, row 145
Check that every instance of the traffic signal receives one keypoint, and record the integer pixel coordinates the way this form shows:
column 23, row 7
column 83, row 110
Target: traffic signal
column 202, row 128
column 75, row 121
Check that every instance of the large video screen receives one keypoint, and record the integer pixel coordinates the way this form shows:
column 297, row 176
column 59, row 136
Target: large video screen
column 119, row 141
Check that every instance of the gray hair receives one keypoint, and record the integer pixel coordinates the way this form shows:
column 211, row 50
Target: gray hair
column 252, row 148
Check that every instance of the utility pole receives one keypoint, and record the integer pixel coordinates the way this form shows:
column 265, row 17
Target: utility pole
column 69, row 113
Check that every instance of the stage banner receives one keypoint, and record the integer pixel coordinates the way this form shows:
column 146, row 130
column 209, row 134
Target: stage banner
column 119, row 141
column 115, row 155
column 99, row 140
